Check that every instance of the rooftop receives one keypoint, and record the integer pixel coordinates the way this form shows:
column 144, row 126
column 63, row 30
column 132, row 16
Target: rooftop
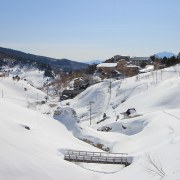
column 110, row 65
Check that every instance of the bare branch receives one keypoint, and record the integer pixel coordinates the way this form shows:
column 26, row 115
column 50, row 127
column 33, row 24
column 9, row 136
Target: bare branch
column 154, row 167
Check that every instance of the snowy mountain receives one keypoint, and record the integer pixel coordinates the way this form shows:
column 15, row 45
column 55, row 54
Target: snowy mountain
column 34, row 134
column 164, row 54
column 42, row 61
column 94, row 62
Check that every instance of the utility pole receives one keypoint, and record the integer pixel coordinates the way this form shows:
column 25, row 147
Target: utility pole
column 90, row 110
column 47, row 93
column 47, row 90
column 156, row 76
column 110, row 86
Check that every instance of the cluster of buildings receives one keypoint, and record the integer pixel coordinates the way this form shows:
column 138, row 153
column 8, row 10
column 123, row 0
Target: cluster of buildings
column 124, row 66
column 79, row 85
column 116, row 67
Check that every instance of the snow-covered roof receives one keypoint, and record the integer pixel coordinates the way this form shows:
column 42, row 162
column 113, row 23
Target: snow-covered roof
column 109, row 65
column 148, row 68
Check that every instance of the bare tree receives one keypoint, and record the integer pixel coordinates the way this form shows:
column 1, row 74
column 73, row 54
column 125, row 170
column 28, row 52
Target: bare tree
column 154, row 167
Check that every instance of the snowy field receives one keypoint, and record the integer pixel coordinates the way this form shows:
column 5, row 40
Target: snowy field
column 33, row 142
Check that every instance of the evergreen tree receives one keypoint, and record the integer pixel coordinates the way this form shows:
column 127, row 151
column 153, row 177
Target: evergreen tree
column 48, row 71
column 91, row 69
column 153, row 58
column 178, row 56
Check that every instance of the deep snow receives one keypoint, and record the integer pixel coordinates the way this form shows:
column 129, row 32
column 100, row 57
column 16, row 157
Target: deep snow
column 38, row 153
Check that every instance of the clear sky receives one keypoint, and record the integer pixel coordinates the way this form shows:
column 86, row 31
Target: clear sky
column 83, row 30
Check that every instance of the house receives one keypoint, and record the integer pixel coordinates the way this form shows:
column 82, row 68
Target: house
column 121, row 65
column 131, row 70
column 69, row 94
column 81, row 83
column 107, row 67
column 139, row 60
column 127, row 69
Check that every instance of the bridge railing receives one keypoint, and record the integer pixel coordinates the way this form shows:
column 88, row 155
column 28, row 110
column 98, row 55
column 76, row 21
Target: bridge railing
column 98, row 157
column 86, row 153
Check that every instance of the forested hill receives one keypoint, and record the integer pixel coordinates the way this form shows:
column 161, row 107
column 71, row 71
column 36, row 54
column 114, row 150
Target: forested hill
column 22, row 57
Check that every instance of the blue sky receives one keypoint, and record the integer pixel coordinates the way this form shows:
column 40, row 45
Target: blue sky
column 83, row 30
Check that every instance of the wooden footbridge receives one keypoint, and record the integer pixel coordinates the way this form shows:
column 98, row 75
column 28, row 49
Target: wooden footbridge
column 98, row 157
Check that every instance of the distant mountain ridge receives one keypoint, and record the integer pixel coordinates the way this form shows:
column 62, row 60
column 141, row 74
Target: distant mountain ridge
column 164, row 54
column 65, row 64
column 94, row 62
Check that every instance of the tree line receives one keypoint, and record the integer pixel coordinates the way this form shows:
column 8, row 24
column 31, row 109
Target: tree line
column 167, row 61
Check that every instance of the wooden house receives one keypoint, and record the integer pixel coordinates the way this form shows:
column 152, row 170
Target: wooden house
column 81, row 84
column 69, row 94
column 107, row 67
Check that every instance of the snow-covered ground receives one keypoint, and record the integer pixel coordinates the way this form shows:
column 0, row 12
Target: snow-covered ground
column 32, row 75
column 152, row 133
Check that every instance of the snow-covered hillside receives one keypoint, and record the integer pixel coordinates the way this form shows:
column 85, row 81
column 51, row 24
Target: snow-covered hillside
column 33, row 143
column 153, row 129
column 32, row 75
